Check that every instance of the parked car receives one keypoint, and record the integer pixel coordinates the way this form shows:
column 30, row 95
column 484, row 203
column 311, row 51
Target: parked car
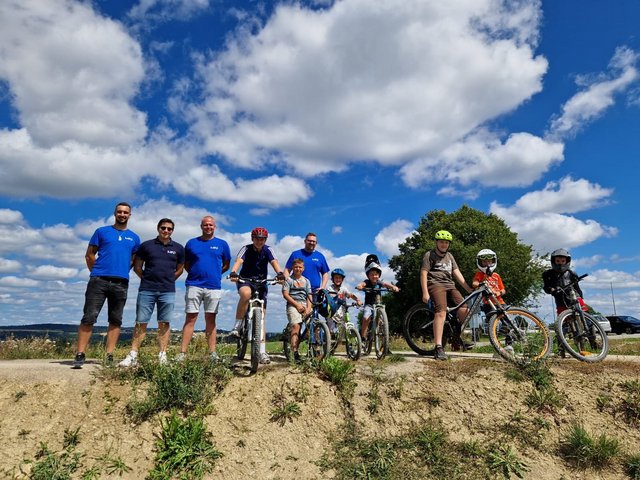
column 624, row 324
column 602, row 320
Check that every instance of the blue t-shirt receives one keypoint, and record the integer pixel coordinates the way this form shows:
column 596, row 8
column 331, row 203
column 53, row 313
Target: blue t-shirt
column 255, row 263
column 115, row 248
column 315, row 265
column 205, row 259
column 160, row 264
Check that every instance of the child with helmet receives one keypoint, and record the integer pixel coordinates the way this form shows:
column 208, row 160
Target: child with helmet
column 437, row 274
column 487, row 262
column 341, row 292
column 373, row 272
column 561, row 275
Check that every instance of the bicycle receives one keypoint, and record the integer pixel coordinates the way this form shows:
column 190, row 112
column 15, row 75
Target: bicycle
column 314, row 338
column 516, row 334
column 578, row 332
column 250, row 332
column 347, row 332
column 378, row 333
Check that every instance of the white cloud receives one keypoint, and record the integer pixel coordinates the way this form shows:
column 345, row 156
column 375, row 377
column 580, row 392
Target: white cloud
column 336, row 230
column 153, row 11
column 50, row 272
column 598, row 95
column 11, row 216
column 390, row 81
column 9, row 266
column 388, row 239
column 565, row 196
column 12, row 281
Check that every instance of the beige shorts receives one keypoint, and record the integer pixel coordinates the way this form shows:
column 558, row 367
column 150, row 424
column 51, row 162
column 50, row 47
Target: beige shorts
column 293, row 315
column 195, row 296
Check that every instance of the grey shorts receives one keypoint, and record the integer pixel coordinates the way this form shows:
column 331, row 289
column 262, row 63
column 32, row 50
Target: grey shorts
column 195, row 296
column 293, row 315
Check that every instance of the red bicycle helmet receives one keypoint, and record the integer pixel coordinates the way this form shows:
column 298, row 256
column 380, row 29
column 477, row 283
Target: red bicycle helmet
column 259, row 232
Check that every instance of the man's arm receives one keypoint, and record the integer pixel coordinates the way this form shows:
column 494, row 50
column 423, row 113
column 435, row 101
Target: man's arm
column 179, row 270
column 325, row 279
column 137, row 266
column 90, row 256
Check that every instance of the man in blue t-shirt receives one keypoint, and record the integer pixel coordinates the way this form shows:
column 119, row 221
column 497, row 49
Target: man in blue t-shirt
column 316, row 268
column 206, row 259
column 159, row 262
column 253, row 261
column 109, row 256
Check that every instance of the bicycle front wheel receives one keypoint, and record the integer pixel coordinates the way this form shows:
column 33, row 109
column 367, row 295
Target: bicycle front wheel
column 256, row 319
column 417, row 329
column 353, row 342
column 582, row 336
column 519, row 336
column 381, row 338
column 319, row 339
column 241, row 345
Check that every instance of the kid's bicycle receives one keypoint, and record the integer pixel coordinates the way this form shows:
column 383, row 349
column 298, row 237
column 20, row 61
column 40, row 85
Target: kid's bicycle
column 516, row 334
column 347, row 332
column 250, row 332
column 578, row 332
column 378, row 333
column 314, row 338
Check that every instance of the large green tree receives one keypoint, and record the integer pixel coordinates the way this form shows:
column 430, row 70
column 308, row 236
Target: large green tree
column 472, row 231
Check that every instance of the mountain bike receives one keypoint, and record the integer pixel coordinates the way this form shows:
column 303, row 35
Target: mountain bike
column 347, row 332
column 578, row 332
column 516, row 334
column 314, row 338
column 378, row 333
column 250, row 332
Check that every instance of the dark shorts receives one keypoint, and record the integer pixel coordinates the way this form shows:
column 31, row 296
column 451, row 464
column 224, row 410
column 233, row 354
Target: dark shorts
column 443, row 297
column 99, row 289
column 262, row 291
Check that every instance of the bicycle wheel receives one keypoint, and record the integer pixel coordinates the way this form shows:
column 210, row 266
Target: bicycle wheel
column 417, row 329
column 585, row 340
column 241, row 342
column 353, row 342
column 381, row 339
column 519, row 336
column 256, row 336
column 319, row 339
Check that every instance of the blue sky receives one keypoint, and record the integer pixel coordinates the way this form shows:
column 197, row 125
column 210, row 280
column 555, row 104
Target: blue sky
column 351, row 119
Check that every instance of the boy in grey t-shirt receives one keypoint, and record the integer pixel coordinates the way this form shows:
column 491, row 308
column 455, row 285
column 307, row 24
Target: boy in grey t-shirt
column 297, row 292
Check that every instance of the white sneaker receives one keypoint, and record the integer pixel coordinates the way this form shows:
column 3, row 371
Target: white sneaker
column 162, row 358
column 131, row 360
column 234, row 333
column 509, row 350
column 264, row 359
column 181, row 357
column 214, row 357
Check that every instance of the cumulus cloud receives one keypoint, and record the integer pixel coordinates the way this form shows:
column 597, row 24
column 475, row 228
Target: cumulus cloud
column 597, row 95
column 50, row 272
column 540, row 217
column 390, row 81
column 388, row 239
column 9, row 266
column 154, row 11
column 13, row 281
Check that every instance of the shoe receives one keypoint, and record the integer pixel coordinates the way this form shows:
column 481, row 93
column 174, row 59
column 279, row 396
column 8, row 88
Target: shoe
column 214, row 357
column 162, row 358
column 181, row 357
column 108, row 360
column 439, row 354
column 296, row 357
column 234, row 333
column 78, row 362
column 129, row 361
column 264, row 359
column 509, row 350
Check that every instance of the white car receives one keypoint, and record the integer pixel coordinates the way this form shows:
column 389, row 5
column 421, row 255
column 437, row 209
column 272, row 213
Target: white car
column 602, row 320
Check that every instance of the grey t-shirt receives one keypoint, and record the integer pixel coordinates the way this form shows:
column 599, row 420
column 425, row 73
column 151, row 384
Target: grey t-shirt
column 299, row 289
column 439, row 269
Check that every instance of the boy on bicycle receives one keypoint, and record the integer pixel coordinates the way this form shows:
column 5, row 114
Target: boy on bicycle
column 342, row 293
column 296, row 290
column 487, row 262
column 254, row 260
column 373, row 271
column 561, row 275
column 438, row 271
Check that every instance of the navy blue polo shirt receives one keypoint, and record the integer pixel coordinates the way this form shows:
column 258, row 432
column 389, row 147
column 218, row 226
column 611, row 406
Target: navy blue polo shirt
column 255, row 263
column 160, row 263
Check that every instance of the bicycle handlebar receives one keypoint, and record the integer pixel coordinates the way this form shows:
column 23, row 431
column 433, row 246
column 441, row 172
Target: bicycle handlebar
column 255, row 282
column 574, row 282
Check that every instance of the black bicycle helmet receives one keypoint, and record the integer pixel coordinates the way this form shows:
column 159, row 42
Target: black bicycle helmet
column 371, row 258
column 560, row 252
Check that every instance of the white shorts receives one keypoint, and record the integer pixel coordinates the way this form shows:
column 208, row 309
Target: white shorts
column 195, row 296
column 293, row 315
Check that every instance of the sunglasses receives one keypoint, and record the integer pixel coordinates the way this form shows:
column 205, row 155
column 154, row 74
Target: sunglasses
column 168, row 229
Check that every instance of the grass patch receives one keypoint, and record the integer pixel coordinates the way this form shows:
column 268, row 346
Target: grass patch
column 340, row 374
column 283, row 408
column 630, row 404
column 546, row 399
column 183, row 449
column 624, row 346
column 503, row 460
column 632, row 466
column 582, row 450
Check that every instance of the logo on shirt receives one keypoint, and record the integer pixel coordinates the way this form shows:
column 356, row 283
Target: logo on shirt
column 172, row 252
column 129, row 238
column 213, row 247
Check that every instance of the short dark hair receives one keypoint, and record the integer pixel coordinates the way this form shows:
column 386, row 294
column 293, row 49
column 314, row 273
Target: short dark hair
column 310, row 234
column 122, row 204
column 166, row 220
column 297, row 261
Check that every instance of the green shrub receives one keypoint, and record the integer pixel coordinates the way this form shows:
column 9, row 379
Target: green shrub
column 582, row 450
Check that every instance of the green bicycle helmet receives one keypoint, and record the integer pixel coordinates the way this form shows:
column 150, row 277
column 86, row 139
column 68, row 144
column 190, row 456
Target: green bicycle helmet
column 443, row 235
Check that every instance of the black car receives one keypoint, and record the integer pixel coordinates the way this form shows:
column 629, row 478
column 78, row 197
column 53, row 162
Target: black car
column 624, row 324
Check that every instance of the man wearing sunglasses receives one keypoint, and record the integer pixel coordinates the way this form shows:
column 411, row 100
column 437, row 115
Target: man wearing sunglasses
column 159, row 262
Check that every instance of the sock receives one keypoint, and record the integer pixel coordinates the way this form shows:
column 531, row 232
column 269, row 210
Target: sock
column 238, row 324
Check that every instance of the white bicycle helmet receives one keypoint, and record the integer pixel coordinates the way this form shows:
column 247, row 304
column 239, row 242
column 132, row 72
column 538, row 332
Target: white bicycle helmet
column 373, row 266
column 486, row 254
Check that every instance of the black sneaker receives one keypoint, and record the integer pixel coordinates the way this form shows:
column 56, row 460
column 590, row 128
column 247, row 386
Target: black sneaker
column 78, row 362
column 296, row 357
column 108, row 360
column 438, row 353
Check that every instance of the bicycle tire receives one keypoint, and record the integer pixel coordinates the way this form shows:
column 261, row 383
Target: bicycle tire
column 519, row 336
column 417, row 329
column 319, row 339
column 352, row 342
column 256, row 336
column 241, row 342
column 381, row 339
column 585, row 347
column 336, row 339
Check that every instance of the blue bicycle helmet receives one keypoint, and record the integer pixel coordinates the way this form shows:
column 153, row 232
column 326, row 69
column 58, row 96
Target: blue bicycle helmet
column 337, row 271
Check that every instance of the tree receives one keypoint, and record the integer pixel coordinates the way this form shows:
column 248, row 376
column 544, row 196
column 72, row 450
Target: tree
column 472, row 231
